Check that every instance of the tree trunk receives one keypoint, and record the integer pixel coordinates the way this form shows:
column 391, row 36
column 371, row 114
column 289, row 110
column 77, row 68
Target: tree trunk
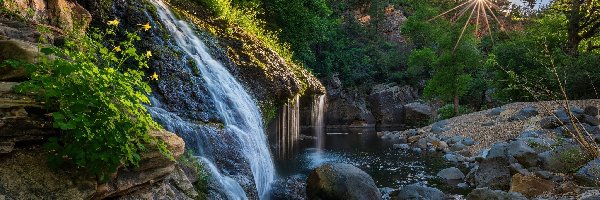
column 574, row 18
column 456, row 110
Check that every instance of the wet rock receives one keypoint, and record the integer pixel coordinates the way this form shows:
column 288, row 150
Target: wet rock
column 488, row 194
column 524, row 113
column 420, row 192
column 589, row 174
column 451, row 173
column 531, row 185
column 341, row 181
column 493, row 173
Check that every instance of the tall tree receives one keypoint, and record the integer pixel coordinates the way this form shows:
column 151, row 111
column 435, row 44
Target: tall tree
column 583, row 18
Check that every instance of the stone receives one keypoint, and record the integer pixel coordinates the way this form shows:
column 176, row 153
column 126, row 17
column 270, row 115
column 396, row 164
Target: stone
column 549, row 122
column 439, row 127
column 401, row 146
column 488, row 194
column 420, row 192
column 439, row 145
column 518, row 168
column 530, row 186
column 552, row 160
column 454, row 139
column 493, row 173
column 498, row 150
column 417, row 150
column 468, row 142
column 417, row 112
column 591, row 120
column 523, row 153
column 544, row 174
column 590, row 195
column 451, row 173
column 495, row 111
column 524, row 113
column 341, row 181
column 387, row 103
column 18, row 50
column 413, row 139
column 422, row 143
column 589, row 174
column 457, row 147
column 452, row 158
column 591, row 110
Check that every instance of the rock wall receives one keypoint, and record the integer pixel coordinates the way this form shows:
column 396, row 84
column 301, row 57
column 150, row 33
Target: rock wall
column 384, row 106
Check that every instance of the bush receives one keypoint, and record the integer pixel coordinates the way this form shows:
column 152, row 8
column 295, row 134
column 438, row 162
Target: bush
column 96, row 84
column 447, row 111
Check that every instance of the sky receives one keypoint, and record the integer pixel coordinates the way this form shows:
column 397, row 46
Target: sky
column 537, row 3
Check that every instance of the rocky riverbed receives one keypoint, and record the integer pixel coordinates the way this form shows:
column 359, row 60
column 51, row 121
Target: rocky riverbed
column 517, row 151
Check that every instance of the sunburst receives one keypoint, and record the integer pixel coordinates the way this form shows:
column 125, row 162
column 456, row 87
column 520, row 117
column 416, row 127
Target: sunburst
column 479, row 13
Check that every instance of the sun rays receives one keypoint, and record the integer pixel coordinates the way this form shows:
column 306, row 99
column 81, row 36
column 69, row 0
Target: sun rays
column 479, row 14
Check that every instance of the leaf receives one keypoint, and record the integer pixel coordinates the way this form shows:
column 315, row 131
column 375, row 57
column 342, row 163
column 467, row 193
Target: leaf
column 48, row 51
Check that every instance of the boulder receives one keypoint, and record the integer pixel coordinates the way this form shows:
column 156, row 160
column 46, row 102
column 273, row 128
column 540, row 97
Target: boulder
column 589, row 174
column 439, row 145
column 64, row 14
column 346, row 107
column 387, row 103
column 523, row 153
column 341, row 181
column 591, row 110
column 495, row 111
column 492, row 172
column 530, row 186
column 524, row 113
column 401, row 146
column 554, row 160
column 457, row 147
column 417, row 113
column 420, row 192
column 468, row 141
column 18, row 50
column 488, row 194
column 451, row 173
column 439, row 127
column 591, row 120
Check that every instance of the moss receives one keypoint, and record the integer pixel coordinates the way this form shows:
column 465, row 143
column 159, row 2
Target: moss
column 189, row 161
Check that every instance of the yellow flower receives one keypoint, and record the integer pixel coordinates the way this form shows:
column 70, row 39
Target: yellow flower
column 146, row 26
column 154, row 77
column 148, row 54
column 117, row 49
column 114, row 22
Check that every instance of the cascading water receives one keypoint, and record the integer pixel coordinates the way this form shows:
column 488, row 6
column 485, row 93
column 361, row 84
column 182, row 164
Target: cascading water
column 318, row 120
column 287, row 128
column 240, row 115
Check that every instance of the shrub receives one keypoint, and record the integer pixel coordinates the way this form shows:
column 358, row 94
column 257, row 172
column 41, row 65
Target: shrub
column 447, row 111
column 96, row 84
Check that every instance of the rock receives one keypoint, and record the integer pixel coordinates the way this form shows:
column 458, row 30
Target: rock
column 589, row 174
column 420, row 192
column 18, row 50
column 417, row 150
column 64, row 14
column 493, row 173
column 451, row 173
column 454, row 139
column 488, row 194
column 524, row 113
column 401, row 146
column 523, row 153
column 439, row 145
column 468, row 142
column 554, row 160
column 422, row 143
column 153, row 166
column 498, row 150
column 591, row 110
column 530, row 186
column 340, row 181
column 457, row 147
column 439, row 127
column 590, row 195
column 495, row 111
column 544, row 174
column 416, row 113
column 549, row 122
column 388, row 103
column 518, row 168
column 591, row 120
column 347, row 106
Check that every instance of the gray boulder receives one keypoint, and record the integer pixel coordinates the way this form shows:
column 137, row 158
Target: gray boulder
column 591, row 120
column 523, row 153
column 451, row 173
column 401, row 146
column 591, row 110
column 496, row 111
column 439, row 127
column 524, row 113
column 468, row 142
column 589, row 174
column 417, row 111
column 457, row 147
column 493, row 173
column 488, row 194
column 341, row 181
column 420, row 192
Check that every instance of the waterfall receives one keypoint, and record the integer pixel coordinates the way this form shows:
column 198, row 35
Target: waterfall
column 241, row 117
column 287, row 128
column 317, row 115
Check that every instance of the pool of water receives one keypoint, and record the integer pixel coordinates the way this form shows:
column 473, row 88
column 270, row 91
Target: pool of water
column 364, row 149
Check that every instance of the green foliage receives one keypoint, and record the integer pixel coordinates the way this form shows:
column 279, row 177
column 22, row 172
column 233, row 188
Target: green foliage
column 97, row 87
column 189, row 161
column 447, row 111
column 572, row 158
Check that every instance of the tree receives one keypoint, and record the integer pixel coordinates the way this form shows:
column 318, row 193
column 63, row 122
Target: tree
column 583, row 18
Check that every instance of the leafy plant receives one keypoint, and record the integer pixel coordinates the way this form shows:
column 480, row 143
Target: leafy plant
column 447, row 111
column 97, row 85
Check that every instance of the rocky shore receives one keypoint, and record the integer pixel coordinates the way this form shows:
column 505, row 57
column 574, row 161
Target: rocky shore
column 517, row 151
